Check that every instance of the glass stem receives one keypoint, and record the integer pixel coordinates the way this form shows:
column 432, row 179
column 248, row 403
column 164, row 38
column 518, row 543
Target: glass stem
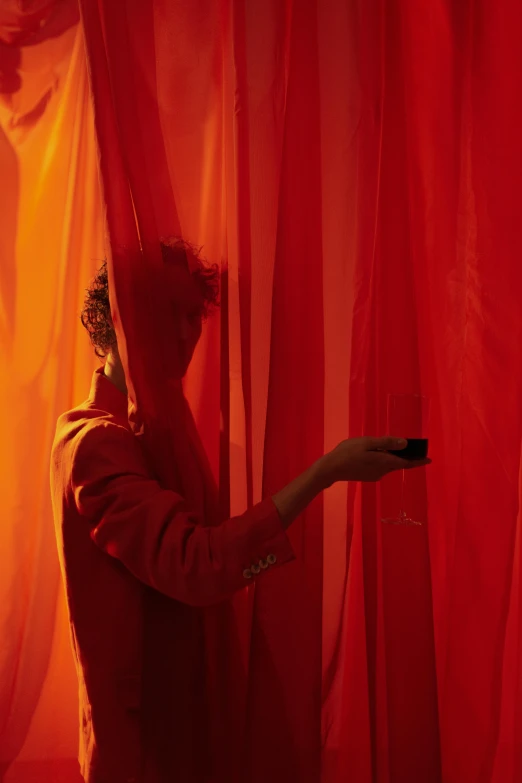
column 402, row 513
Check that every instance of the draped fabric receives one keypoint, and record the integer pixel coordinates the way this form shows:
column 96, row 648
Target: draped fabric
column 353, row 167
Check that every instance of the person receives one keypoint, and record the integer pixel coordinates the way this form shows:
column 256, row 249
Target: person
column 139, row 565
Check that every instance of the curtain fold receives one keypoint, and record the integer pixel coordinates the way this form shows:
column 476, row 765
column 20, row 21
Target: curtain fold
column 354, row 168
column 50, row 223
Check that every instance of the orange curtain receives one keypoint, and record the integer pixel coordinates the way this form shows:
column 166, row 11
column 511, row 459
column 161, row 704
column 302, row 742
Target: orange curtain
column 50, row 244
column 354, row 168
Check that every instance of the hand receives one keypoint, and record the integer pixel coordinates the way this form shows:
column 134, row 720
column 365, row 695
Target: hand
column 365, row 459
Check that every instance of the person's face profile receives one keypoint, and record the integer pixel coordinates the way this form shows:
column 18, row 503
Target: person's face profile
column 185, row 310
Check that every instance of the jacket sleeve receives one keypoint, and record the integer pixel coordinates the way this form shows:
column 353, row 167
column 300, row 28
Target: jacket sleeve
column 153, row 532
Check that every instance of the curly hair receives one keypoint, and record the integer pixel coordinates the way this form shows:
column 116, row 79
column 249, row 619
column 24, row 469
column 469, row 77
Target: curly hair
column 96, row 313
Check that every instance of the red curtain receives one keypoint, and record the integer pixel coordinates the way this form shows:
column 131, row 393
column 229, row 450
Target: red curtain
column 353, row 167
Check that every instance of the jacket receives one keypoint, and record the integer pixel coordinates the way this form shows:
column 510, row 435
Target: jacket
column 140, row 572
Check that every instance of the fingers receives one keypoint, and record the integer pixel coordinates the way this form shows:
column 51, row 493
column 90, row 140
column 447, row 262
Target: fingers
column 386, row 444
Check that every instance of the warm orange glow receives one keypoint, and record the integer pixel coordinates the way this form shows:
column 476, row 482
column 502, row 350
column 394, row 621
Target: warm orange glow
column 356, row 172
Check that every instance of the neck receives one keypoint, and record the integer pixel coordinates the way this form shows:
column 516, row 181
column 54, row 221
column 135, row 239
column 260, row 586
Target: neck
column 113, row 370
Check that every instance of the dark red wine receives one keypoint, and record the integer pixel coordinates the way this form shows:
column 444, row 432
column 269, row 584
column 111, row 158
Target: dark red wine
column 417, row 448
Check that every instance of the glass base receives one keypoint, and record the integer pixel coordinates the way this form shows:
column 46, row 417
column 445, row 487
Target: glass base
column 401, row 519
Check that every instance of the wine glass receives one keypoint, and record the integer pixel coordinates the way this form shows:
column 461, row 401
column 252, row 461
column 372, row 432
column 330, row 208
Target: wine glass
column 408, row 417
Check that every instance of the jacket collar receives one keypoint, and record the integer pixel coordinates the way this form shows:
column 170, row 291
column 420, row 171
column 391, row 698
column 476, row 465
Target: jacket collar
column 106, row 396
